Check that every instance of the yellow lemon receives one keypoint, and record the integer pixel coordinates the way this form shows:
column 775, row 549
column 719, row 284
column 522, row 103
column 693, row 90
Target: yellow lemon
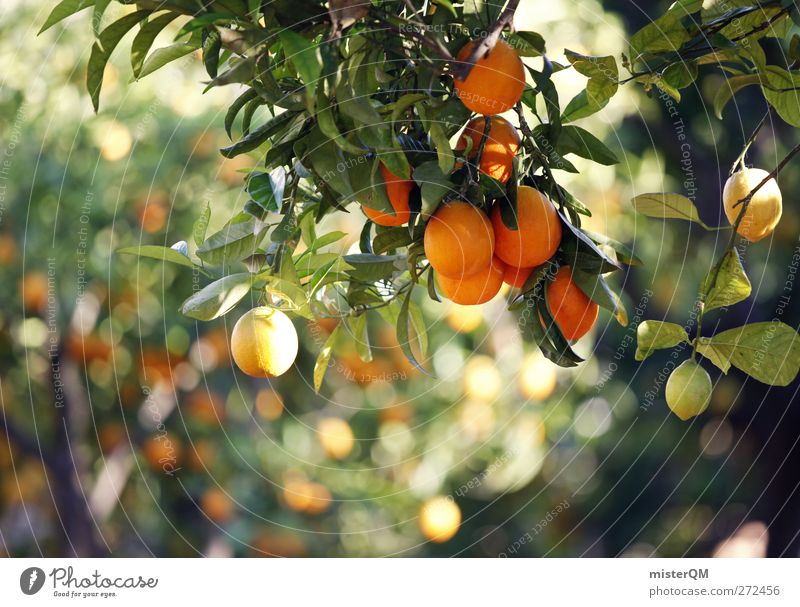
column 763, row 211
column 264, row 342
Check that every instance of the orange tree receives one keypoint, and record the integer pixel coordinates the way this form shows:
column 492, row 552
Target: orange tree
column 362, row 103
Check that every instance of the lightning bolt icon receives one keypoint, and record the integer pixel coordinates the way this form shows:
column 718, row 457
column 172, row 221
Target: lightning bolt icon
column 32, row 581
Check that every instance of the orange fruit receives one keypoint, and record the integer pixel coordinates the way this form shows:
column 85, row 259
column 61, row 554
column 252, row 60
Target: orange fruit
column 459, row 240
column 572, row 310
column 538, row 232
column 475, row 289
column 397, row 189
column 502, row 144
column 264, row 342
column 496, row 81
column 516, row 277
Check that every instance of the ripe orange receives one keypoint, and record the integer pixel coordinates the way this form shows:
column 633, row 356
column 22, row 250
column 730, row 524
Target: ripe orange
column 572, row 310
column 397, row 189
column 264, row 342
column 496, row 81
column 538, row 232
column 459, row 240
column 475, row 289
column 516, row 277
column 501, row 146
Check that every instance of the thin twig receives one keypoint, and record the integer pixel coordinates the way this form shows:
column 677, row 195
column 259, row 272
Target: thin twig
column 748, row 143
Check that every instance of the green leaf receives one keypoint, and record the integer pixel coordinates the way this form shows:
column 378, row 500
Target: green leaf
column 266, row 189
column 403, row 334
column 305, row 57
column 100, row 7
column 218, row 298
column 664, row 205
column 327, row 124
column 371, row 268
column 64, row 9
column 667, row 33
column 767, row 351
column 578, row 141
column 162, row 56
column 681, row 74
column 236, row 106
column 324, row 357
column 258, row 136
column 783, row 93
column 212, row 47
column 146, row 37
column 102, row 49
column 358, row 326
column 234, row 242
column 595, row 287
column 292, row 297
column 624, row 252
column 160, row 253
column 527, row 44
column 434, row 185
column 732, row 86
column 390, row 239
column 732, row 285
column 200, row 226
column 444, row 152
column 602, row 86
column 652, row 335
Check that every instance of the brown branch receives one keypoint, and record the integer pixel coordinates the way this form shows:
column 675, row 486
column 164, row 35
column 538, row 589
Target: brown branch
column 463, row 68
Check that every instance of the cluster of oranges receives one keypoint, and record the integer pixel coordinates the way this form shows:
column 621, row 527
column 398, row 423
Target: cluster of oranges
column 473, row 253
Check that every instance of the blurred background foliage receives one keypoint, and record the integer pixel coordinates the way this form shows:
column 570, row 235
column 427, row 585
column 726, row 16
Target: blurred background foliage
column 150, row 443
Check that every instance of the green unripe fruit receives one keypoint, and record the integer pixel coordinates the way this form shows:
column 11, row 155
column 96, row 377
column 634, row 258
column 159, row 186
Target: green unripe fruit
column 688, row 390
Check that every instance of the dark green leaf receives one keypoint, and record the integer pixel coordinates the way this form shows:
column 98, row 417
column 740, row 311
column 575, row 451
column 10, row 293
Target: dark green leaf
column 102, row 49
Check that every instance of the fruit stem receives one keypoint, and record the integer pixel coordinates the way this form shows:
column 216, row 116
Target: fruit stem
column 739, row 162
